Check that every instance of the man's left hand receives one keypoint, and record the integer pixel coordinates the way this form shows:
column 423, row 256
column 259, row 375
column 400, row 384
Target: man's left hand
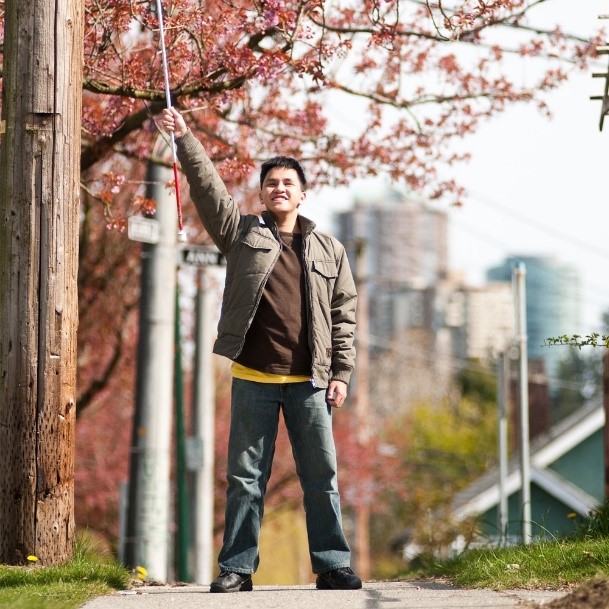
column 336, row 393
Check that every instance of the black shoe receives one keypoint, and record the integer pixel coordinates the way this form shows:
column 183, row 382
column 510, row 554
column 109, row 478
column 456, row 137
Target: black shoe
column 228, row 581
column 338, row 579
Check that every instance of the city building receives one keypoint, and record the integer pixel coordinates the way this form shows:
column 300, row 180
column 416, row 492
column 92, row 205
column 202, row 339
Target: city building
column 481, row 319
column 405, row 251
column 398, row 246
column 552, row 303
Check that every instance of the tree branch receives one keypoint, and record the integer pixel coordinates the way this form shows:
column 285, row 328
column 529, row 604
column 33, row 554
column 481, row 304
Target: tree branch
column 465, row 38
column 101, row 147
column 408, row 104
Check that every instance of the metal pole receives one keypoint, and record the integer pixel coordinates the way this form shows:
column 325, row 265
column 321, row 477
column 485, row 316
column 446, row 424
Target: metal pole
column 523, row 391
column 362, row 405
column 182, row 535
column 502, row 384
column 202, row 441
column 122, row 519
column 147, row 541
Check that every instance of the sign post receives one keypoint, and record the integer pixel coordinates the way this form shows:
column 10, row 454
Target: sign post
column 200, row 446
column 148, row 535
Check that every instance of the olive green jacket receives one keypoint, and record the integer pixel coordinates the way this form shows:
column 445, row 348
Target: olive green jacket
column 251, row 245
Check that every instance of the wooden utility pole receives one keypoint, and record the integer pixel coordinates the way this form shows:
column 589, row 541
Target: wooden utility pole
column 39, row 208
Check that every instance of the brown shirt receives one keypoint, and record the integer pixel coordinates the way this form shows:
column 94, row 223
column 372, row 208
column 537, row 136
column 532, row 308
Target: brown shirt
column 277, row 341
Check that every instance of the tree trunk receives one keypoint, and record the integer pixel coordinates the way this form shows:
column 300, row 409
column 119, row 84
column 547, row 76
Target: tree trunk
column 39, row 207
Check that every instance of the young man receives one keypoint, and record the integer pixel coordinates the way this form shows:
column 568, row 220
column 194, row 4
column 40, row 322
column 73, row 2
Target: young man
column 287, row 323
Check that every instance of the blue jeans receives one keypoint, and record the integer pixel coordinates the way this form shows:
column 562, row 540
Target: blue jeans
column 254, row 423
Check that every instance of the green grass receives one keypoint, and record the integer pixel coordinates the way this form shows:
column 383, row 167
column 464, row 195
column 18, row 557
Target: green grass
column 63, row 587
column 554, row 563
column 548, row 564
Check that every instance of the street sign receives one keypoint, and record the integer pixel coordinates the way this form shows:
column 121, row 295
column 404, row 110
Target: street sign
column 143, row 229
column 201, row 255
column 194, row 453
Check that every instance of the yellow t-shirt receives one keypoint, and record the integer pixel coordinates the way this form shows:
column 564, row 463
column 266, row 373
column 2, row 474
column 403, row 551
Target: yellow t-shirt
column 249, row 374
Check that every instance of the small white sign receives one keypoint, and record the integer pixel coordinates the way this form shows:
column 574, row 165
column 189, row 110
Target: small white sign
column 201, row 255
column 143, row 229
column 194, row 453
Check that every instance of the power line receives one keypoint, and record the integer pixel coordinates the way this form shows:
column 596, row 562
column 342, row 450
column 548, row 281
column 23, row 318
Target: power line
column 543, row 227
column 600, row 292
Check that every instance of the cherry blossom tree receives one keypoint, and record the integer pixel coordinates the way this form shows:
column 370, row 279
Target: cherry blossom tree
column 352, row 88
column 261, row 77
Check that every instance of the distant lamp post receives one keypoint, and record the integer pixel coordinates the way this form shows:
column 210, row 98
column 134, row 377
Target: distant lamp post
column 519, row 276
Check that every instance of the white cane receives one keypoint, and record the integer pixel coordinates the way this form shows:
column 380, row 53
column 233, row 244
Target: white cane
column 181, row 233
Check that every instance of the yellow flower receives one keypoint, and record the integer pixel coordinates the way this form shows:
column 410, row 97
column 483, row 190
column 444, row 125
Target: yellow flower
column 32, row 558
column 141, row 572
column 571, row 515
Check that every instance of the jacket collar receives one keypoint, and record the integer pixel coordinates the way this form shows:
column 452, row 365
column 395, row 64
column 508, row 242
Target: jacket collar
column 306, row 225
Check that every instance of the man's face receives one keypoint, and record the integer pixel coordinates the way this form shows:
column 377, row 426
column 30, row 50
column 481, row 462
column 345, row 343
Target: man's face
column 281, row 191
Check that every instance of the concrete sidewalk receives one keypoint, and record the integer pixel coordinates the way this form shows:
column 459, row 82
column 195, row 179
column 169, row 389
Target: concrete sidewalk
column 374, row 595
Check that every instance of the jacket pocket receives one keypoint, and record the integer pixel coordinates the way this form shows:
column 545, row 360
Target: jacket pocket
column 255, row 255
column 323, row 278
column 326, row 268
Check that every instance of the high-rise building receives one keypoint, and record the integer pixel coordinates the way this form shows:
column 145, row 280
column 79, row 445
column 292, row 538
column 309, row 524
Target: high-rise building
column 405, row 254
column 402, row 245
column 552, row 303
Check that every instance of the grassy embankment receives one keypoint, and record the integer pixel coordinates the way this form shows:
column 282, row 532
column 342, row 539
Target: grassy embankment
column 545, row 564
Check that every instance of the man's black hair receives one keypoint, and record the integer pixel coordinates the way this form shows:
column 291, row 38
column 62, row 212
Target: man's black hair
column 285, row 162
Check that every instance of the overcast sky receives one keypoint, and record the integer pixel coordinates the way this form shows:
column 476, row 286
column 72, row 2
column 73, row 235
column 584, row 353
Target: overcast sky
column 536, row 186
